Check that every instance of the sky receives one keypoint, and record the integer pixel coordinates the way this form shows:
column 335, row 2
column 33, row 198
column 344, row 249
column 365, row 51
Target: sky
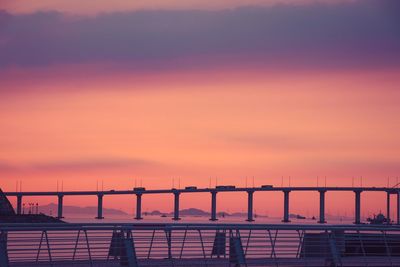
column 155, row 92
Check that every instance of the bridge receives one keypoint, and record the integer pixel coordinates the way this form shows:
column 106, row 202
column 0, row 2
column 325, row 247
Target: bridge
column 139, row 192
column 212, row 244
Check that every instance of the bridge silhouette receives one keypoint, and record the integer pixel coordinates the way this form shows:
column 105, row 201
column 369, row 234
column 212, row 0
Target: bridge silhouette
column 139, row 192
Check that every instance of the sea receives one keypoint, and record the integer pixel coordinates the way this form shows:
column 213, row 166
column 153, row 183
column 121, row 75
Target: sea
column 78, row 218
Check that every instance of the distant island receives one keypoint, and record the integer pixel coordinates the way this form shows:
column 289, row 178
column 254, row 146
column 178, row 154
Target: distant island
column 198, row 213
column 52, row 209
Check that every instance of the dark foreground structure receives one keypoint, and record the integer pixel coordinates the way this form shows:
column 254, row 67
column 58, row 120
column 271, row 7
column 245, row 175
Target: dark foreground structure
column 198, row 245
column 8, row 215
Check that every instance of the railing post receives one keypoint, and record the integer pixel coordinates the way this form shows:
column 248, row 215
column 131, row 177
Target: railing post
column 100, row 206
column 19, row 204
column 60, row 207
column 176, row 206
column 250, row 205
column 4, row 261
column 138, row 207
column 286, row 206
column 213, row 206
column 388, row 207
column 357, row 212
column 322, row 206
column 169, row 242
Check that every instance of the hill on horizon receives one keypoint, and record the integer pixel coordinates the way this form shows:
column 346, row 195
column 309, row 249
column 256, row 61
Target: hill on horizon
column 52, row 209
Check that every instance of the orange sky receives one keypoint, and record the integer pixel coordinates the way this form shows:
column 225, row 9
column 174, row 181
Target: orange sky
column 198, row 89
column 197, row 124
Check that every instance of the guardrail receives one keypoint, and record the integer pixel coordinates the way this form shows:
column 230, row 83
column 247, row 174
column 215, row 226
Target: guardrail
column 198, row 244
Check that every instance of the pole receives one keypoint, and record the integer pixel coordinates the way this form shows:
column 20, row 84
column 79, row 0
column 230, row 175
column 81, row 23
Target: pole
column 213, row 206
column 286, row 206
column 19, row 204
column 357, row 207
column 60, row 207
column 250, row 206
column 322, row 206
column 388, row 207
column 398, row 207
column 176, row 206
column 138, row 207
column 100, row 206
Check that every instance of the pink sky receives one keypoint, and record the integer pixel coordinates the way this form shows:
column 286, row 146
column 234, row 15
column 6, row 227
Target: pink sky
column 157, row 95
column 199, row 125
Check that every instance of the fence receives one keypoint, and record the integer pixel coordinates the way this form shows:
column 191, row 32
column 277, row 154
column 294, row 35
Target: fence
column 198, row 245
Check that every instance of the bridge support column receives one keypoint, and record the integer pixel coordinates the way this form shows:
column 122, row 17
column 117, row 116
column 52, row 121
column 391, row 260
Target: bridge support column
column 322, row 206
column 19, row 204
column 250, row 206
column 100, row 206
column 398, row 207
column 357, row 212
column 138, row 207
column 213, row 206
column 388, row 207
column 176, row 206
column 286, row 206
column 60, row 207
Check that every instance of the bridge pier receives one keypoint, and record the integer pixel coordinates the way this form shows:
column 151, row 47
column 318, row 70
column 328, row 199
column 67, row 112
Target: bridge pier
column 286, row 206
column 176, row 206
column 100, row 206
column 357, row 212
column 322, row 206
column 213, row 206
column 398, row 207
column 19, row 204
column 388, row 207
column 60, row 207
column 250, row 206
column 138, row 207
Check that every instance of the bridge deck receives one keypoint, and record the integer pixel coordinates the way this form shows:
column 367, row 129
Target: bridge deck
column 202, row 190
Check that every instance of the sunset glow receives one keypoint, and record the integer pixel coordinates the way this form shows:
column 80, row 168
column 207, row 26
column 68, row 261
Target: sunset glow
column 188, row 92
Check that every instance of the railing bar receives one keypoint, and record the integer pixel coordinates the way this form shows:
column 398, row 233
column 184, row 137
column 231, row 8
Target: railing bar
column 48, row 247
column 273, row 246
column 202, row 246
column 183, row 243
column 40, row 247
column 76, row 244
column 168, row 237
column 247, row 243
column 151, row 244
column 387, row 248
column 362, row 247
column 88, row 247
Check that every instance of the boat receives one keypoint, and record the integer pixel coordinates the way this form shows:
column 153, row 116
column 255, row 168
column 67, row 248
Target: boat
column 378, row 219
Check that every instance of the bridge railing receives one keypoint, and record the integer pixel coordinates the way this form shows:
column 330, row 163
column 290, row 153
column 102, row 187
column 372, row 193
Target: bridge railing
column 198, row 244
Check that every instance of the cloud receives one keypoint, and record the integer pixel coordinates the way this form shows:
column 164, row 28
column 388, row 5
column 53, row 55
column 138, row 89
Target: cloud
column 81, row 165
column 88, row 7
column 346, row 35
column 5, row 167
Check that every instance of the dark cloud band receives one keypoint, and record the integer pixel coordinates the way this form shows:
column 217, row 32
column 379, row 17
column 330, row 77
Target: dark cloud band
column 355, row 34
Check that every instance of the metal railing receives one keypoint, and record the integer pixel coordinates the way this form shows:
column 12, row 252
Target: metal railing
column 198, row 245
